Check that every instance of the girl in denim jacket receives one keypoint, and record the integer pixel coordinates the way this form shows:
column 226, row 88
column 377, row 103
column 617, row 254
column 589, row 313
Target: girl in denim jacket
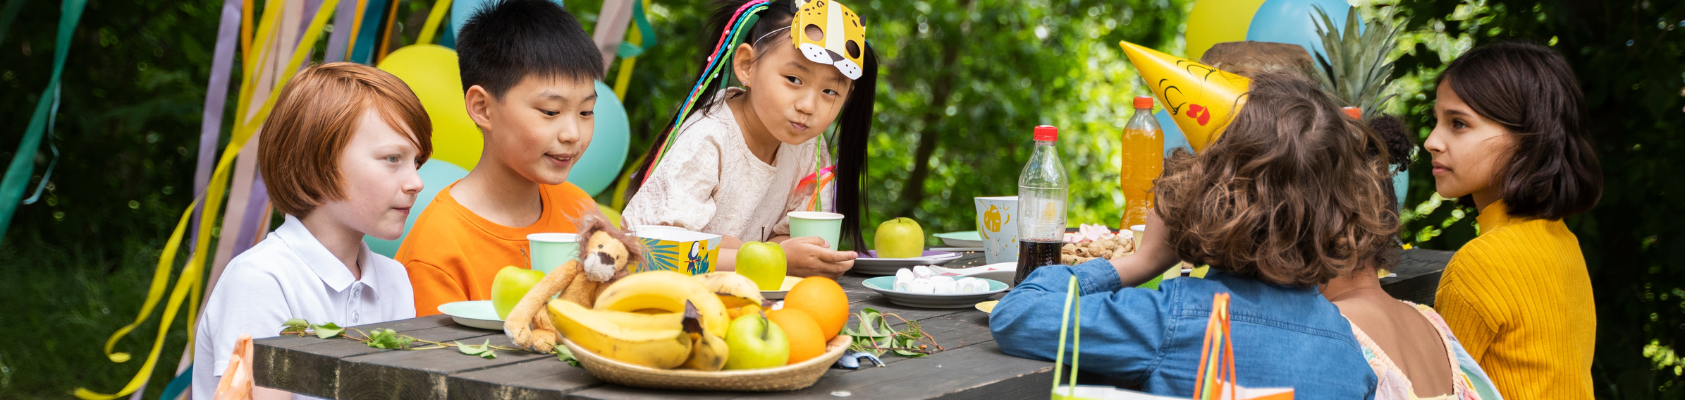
column 1285, row 200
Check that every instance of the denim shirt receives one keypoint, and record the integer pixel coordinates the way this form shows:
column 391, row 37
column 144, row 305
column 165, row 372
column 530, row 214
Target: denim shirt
column 1283, row 336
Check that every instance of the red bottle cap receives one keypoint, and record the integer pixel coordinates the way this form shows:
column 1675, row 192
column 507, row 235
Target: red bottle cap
column 1047, row 133
column 1354, row 112
column 1143, row 102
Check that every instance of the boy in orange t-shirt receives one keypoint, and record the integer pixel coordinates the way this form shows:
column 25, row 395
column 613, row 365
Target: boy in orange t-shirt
column 529, row 74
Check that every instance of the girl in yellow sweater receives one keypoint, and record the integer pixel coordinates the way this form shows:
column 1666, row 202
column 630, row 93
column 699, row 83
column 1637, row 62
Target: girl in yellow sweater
column 1512, row 137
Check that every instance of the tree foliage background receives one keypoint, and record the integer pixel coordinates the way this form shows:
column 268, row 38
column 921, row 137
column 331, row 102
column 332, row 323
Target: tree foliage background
column 962, row 84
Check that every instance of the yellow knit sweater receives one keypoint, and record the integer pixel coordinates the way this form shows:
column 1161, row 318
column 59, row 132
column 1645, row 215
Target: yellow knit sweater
column 1519, row 299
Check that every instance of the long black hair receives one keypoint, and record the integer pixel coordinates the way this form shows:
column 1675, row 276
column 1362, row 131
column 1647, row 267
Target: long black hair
column 854, row 123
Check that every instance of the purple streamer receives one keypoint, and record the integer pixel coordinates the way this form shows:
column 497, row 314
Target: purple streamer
column 342, row 21
column 256, row 208
column 216, row 97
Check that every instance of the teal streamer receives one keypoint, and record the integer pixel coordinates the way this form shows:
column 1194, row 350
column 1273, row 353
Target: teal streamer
column 47, row 175
column 23, row 161
column 646, row 33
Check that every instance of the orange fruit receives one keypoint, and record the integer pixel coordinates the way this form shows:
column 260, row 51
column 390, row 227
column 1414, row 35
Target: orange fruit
column 824, row 300
column 802, row 332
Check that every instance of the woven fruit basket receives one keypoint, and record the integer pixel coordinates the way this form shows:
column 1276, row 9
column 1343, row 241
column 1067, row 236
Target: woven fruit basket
column 789, row 377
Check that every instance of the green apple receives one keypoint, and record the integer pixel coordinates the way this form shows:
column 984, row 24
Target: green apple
column 510, row 284
column 764, row 263
column 755, row 342
column 899, row 238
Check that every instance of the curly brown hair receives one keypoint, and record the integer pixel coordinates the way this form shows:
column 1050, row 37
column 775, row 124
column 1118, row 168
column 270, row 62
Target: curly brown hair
column 1287, row 195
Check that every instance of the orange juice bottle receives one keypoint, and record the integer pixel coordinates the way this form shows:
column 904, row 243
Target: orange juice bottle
column 1143, row 160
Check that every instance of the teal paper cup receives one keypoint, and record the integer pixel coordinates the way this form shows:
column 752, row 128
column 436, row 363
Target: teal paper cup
column 825, row 225
column 551, row 250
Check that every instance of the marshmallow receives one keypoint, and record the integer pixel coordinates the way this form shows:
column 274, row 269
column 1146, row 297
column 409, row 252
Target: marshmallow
column 972, row 285
column 944, row 285
column 920, row 286
column 923, row 271
column 903, row 277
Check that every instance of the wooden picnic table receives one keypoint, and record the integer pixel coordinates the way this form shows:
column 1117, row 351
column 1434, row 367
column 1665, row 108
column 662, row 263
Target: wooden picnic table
column 971, row 367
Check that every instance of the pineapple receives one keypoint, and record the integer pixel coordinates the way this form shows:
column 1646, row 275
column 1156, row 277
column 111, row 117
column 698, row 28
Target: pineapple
column 1357, row 68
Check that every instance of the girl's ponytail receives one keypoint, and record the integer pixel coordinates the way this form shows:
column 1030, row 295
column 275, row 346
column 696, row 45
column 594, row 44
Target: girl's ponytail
column 854, row 128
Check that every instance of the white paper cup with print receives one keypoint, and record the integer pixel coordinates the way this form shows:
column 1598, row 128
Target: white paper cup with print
column 996, row 225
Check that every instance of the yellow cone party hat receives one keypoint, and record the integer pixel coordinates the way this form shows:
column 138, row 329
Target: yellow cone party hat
column 1202, row 100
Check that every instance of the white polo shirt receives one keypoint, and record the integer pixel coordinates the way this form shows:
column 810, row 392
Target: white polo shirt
column 290, row 275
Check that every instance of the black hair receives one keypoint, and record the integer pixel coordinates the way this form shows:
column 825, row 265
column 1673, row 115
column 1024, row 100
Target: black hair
column 854, row 122
column 505, row 41
column 1552, row 170
column 1393, row 136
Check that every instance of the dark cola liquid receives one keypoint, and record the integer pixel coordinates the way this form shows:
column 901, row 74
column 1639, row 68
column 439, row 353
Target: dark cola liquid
column 1035, row 254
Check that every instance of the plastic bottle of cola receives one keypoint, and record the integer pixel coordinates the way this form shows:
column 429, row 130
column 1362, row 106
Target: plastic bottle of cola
column 1043, row 192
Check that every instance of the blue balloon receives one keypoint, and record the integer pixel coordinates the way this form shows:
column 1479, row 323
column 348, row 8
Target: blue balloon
column 1173, row 138
column 435, row 176
column 1294, row 22
column 611, row 139
column 462, row 9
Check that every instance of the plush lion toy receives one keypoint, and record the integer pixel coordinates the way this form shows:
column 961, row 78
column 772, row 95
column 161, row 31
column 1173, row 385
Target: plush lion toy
column 606, row 254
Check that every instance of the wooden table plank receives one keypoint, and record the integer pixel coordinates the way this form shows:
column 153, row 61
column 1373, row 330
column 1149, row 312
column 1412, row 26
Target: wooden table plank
column 976, row 372
column 537, row 379
column 311, row 365
column 422, row 374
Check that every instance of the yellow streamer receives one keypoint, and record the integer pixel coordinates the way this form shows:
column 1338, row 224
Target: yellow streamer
column 433, row 20
column 249, row 67
column 190, row 284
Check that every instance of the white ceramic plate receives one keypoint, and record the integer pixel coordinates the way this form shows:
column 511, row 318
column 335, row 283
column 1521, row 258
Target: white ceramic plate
column 869, row 264
column 961, row 239
column 474, row 314
column 783, row 289
column 884, row 284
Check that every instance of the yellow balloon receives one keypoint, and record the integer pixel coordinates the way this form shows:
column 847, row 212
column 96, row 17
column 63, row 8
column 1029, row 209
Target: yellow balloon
column 1200, row 99
column 1217, row 21
column 431, row 72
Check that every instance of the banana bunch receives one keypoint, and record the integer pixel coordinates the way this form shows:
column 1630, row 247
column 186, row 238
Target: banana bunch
column 660, row 319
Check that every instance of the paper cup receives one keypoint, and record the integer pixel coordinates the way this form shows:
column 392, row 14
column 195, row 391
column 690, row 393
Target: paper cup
column 551, row 250
column 685, row 252
column 999, row 231
column 825, row 225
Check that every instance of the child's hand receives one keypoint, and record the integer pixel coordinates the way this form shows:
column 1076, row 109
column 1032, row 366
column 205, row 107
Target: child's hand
column 1152, row 257
column 811, row 256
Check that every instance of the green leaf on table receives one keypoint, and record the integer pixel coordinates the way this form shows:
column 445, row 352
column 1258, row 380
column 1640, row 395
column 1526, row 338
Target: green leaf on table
column 327, row 330
column 294, row 326
column 388, row 339
column 483, row 350
column 566, row 355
